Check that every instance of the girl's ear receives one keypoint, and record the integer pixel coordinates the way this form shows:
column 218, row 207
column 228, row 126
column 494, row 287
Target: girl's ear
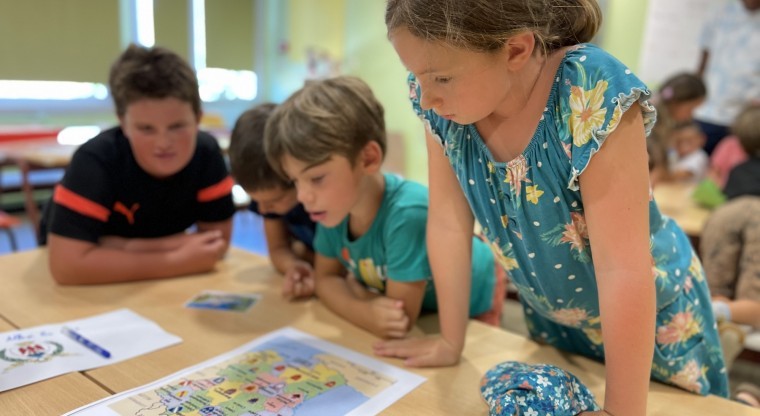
column 371, row 157
column 519, row 49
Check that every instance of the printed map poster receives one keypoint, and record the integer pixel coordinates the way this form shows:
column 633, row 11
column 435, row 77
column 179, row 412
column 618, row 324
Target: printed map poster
column 286, row 372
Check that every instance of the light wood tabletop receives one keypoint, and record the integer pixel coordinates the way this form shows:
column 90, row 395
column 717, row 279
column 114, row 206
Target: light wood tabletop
column 675, row 201
column 32, row 298
column 52, row 396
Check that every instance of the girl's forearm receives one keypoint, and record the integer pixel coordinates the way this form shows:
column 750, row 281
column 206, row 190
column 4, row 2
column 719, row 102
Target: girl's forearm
column 628, row 313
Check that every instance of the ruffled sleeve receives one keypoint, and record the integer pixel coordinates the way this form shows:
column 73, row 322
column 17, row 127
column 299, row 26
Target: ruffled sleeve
column 594, row 91
column 436, row 125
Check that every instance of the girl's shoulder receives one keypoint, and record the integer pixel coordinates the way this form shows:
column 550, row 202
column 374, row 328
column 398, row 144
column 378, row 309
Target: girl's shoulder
column 589, row 61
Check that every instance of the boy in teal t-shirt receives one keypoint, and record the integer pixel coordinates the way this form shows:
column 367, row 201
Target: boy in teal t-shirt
column 371, row 263
column 394, row 248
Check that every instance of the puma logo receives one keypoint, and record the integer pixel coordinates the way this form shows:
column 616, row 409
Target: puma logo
column 127, row 212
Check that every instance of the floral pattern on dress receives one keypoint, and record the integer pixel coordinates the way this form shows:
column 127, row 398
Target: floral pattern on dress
column 517, row 173
column 689, row 377
column 515, row 388
column 574, row 233
column 679, row 329
column 588, row 113
column 543, row 236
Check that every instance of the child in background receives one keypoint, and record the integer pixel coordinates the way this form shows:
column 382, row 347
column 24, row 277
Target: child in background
column 727, row 154
column 688, row 161
column 542, row 138
column 288, row 229
column 371, row 265
column 730, row 152
column 126, row 200
column 675, row 102
column 730, row 241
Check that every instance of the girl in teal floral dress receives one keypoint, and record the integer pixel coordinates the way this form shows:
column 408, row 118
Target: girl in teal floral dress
column 542, row 138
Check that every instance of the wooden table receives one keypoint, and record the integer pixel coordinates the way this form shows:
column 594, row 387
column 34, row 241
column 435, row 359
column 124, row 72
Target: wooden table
column 52, row 396
column 674, row 200
column 32, row 298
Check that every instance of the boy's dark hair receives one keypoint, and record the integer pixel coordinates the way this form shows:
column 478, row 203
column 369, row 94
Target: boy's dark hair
column 248, row 161
column 155, row 73
column 747, row 128
column 335, row 116
column 682, row 87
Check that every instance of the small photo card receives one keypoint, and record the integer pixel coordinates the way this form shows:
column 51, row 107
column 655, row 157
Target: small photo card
column 223, row 301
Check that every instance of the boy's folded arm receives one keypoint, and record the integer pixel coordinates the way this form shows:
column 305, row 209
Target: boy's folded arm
column 370, row 313
column 169, row 242
column 74, row 262
column 411, row 294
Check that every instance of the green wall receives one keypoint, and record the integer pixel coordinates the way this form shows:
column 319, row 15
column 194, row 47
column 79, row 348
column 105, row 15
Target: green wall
column 351, row 31
column 369, row 55
column 623, row 30
column 67, row 40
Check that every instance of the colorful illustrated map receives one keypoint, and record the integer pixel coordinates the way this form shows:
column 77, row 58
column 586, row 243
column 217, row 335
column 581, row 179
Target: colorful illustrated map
column 288, row 373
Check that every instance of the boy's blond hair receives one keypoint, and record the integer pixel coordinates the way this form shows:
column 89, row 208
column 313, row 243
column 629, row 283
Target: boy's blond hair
column 336, row 116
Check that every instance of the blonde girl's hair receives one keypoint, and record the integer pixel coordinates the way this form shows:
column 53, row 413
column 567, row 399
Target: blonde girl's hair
column 335, row 116
column 486, row 25
column 747, row 128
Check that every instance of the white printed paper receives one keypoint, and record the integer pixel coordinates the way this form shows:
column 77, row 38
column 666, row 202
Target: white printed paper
column 34, row 354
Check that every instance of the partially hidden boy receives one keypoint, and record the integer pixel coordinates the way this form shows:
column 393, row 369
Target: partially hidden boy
column 288, row 230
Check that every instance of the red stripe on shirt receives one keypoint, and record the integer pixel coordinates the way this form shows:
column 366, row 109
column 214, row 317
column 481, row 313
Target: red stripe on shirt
column 218, row 190
column 80, row 204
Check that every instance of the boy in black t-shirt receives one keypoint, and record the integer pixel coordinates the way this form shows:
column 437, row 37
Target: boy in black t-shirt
column 130, row 194
column 288, row 229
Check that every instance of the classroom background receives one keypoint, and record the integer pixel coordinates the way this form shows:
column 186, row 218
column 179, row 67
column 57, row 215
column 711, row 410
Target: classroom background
column 56, row 55
column 253, row 51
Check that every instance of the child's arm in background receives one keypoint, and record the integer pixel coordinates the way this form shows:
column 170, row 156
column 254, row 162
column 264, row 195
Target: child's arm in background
column 298, row 273
column 380, row 315
column 449, row 244
column 615, row 186
column 82, row 262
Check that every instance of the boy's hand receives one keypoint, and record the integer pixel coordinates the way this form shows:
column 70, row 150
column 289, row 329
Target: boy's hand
column 202, row 250
column 389, row 320
column 299, row 281
column 420, row 352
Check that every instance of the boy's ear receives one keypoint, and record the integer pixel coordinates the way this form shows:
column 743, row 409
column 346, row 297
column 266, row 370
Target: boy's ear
column 519, row 49
column 371, row 157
